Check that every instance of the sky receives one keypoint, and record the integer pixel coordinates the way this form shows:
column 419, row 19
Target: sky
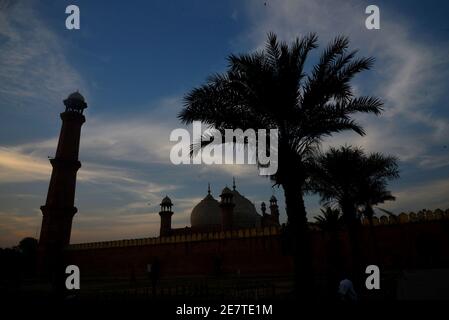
column 134, row 63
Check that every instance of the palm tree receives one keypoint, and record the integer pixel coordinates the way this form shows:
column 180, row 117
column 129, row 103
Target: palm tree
column 372, row 196
column 351, row 180
column 375, row 192
column 269, row 89
column 330, row 221
column 379, row 169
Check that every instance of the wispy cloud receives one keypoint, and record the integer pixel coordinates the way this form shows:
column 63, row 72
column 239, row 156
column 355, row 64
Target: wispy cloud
column 18, row 167
column 409, row 74
column 14, row 226
column 34, row 70
column 428, row 195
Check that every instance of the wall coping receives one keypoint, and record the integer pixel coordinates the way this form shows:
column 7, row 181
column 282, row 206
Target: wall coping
column 403, row 218
column 190, row 237
column 423, row 215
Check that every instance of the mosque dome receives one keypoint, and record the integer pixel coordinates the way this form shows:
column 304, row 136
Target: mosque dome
column 226, row 191
column 245, row 213
column 207, row 212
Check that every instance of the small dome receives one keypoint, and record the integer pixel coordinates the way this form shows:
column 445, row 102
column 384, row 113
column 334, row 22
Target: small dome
column 76, row 96
column 226, row 191
column 166, row 201
column 206, row 213
column 75, row 102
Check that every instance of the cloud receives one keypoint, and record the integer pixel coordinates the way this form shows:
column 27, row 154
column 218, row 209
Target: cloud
column 125, row 224
column 125, row 160
column 125, row 172
column 18, row 167
column 34, row 70
column 410, row 74
column 89, row 227
column 14, row 227
column 114, row 201
column 428, row 195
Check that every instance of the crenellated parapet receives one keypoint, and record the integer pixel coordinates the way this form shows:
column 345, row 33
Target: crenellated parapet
column 182, row 238
column 410, row 217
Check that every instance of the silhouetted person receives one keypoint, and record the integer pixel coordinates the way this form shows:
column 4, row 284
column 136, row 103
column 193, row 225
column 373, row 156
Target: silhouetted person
column 346, row 291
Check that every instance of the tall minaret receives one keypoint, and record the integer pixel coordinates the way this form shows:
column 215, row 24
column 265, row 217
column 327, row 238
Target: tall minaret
column 59, row 208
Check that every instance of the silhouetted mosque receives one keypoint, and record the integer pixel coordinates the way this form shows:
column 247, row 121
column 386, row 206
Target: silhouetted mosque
column 234, row 211
column 226, row 236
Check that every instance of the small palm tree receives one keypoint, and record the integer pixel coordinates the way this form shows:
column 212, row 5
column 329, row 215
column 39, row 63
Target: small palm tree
column 351, row 180
column 379, row 170
column 329, row 219
column 269, row 89
column 371, row 197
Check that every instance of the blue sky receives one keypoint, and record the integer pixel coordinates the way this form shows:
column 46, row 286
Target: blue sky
column 134, row 63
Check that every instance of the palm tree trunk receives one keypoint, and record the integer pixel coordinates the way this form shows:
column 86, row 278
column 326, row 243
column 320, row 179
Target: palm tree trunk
column 334, row 264
column 350, row 214
column 298, row 238
column 373, row 239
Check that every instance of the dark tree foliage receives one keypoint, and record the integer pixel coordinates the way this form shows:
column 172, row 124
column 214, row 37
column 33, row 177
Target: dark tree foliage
column 269, row 89
column 17, row 263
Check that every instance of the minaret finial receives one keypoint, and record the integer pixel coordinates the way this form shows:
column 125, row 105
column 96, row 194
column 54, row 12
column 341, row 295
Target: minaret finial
column 208, row 188
column 233, row 183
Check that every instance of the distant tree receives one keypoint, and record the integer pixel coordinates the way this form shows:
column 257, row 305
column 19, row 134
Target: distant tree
column 28, row 246
column 17, row 262
column 329, row 219
column 352, row 180
column 379, row 169
column 331, row 222
column 28, row 250
column 10, row 268
column 269, row 89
